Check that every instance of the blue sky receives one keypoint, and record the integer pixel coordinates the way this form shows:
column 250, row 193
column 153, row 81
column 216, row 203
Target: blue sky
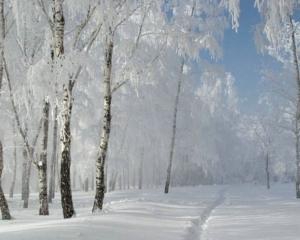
column 242, row 59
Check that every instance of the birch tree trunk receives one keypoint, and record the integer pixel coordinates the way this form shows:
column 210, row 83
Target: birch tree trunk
column 59, row 29
column 268, row 170
column 53, row 157
column 24, row 167
column 65, row 181
column 297, row 70
column 42, row 164
column 174, row 128
column 141, row 170
column 27, row 179
column 86, row 184
column 106, row 125
column 3, row 203
column 297, row 159
column 13, row 183
column 58, row 52
column 2, row 38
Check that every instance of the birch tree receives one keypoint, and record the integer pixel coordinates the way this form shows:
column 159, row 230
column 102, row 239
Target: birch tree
column 189, row 38
column 117, row 17
column 42, row 164
column 3, row 203
column 277, row 37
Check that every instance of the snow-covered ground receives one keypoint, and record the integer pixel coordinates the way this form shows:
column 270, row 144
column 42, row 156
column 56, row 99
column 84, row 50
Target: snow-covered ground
column 193, row 213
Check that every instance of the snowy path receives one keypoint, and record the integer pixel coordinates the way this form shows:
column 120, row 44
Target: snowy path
column 253, row 213
column 199, row 225
column 201, row 213
column 131, row 215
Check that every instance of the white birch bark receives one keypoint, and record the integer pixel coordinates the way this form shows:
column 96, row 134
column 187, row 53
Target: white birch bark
column 42, row 164
column 297, row 70
column 13, row 183
column 58, row 53
column 2, row 38
column 3, row 203
column 59, row 28
column 106, row 125
column 53, row 157
column 65, row 178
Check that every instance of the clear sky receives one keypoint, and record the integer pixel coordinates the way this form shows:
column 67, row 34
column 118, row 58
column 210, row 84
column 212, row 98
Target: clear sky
column 242, row 59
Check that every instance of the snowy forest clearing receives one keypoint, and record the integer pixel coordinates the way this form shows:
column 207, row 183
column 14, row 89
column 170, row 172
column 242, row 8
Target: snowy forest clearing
column 210, row 213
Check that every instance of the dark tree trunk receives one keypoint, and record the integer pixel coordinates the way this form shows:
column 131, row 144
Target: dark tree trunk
column 174, row 128
column 268, row 171
column 3, row 203
column 65, row 183
column 141, row 170
column 42, row 164
column 13, row 183
column 27, row 179
column 86, row 185
column 297, row 71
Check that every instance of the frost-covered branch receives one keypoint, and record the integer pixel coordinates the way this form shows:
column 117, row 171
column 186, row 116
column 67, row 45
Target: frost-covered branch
column 43, row 8
column 81, row 27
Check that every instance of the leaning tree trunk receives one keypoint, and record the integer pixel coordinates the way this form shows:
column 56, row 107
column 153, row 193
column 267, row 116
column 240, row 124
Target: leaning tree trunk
column 168, row 180
column 297, row 70
column 42, row 164
column 268, row 170
column 13, row 183
column 106, row 125
column 3, row 203
column 53, row 158
column 65, row 178
column 2, row 37
column 297, row 160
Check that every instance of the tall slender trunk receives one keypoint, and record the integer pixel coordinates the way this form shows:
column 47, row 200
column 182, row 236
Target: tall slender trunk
column 174, row 128
column 53, row 157
column 58, row 53
column 2, row 38
column 106, row 178
column 24, row 167
column 141, row 170
column 65, row 176
column 59, row 29
column 27, row 178
column 297, row 159
column 3, row 203
column 128, row 175
column 93, row 181
column 106, row 125
column 268, row 170
column 13, row 183
column 297, row 70
column 42, row 164
column 86, row 184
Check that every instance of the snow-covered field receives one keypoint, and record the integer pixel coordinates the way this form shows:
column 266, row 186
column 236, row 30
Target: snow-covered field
column 210, row 213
